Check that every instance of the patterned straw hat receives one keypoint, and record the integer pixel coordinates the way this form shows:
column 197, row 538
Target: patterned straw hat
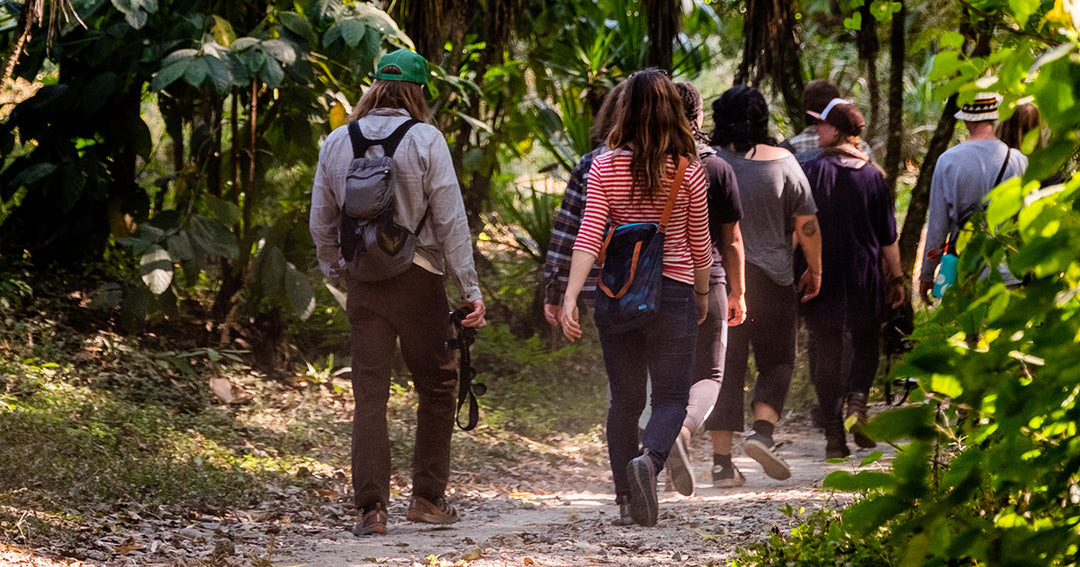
column 983, row 108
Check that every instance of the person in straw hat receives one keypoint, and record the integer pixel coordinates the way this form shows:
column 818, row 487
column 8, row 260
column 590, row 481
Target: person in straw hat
column 964, row 175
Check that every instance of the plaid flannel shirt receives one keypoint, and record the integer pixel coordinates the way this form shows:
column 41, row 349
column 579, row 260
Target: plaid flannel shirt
column 564, row 232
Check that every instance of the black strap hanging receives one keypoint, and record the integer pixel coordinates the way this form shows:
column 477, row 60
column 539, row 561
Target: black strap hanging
column 467, row 390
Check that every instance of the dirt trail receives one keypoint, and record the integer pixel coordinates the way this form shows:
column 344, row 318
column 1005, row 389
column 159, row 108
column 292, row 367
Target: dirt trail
column 571, row 526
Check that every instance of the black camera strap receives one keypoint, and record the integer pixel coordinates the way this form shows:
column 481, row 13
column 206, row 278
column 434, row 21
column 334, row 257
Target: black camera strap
column 467, row 390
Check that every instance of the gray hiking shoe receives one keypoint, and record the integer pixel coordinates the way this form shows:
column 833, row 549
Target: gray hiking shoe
column 678, row 464
column 763, row 450
column 641, row 473
column 727, row 477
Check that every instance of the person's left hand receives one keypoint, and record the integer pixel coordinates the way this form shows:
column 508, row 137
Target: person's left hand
column 568, row 318
column 736, row 309
column 475, row 318
column 896, row 293
column 809, row 285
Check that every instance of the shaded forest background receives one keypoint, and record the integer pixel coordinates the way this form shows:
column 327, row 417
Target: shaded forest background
column 156, row 159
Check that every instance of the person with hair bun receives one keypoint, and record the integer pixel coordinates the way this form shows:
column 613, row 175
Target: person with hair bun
column 776, row 202
column 861, row 259
column 631, row 183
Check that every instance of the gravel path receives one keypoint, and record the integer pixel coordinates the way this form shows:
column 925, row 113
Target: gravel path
column 565, row 520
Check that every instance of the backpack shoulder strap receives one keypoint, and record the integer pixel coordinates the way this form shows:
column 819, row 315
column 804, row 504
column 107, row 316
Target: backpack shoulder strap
column 361, row 144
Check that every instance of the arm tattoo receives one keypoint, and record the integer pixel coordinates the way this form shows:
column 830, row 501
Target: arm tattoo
column 809, row 228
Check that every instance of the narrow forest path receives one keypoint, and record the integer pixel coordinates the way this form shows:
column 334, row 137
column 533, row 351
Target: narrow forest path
column 564, row 518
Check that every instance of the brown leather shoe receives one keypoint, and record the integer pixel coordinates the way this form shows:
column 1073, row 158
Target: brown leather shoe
column 428, row 512
column 372, row 522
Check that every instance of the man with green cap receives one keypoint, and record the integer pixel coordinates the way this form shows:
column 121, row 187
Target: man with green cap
column 393, row 119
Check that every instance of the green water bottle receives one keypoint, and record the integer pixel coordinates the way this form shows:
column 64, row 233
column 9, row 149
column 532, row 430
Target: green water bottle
column 946, row 274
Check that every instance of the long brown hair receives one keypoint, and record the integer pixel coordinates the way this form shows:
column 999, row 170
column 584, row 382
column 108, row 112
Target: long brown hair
column 393, row 94
column 650, row 123
column 1025, row 119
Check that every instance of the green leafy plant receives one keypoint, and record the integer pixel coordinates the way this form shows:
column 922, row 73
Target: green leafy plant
column 987, row 453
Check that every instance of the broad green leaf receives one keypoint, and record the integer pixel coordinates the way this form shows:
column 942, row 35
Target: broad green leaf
column 225, row 211
column 220, row 73
column 244, row 43
column 33, row 174
column 945, row 65
column 1004, row 202
column 283, row 51
column 138, row 246
column 298, row 24
column 195, row 72
column 156, row 268
column 180, row 247
column 951, row 40
column 352, row 31
column 872, row 458
column 867, row 515
column 213, row 237
column 301, row 294
column 860, row 481
column 272, row 74
column 854, row 22
column 895, row 424
column 169, row 74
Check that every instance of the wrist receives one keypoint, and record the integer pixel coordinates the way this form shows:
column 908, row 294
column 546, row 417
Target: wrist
column 698, row 292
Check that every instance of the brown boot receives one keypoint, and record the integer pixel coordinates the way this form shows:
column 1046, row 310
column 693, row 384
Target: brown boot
column 856, row 405
column 835, row 441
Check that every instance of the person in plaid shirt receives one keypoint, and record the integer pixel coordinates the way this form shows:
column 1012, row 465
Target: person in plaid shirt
column 568, row 219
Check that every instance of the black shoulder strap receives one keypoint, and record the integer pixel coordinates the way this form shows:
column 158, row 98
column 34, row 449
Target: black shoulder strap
column 1004, row 164
column 361, row 144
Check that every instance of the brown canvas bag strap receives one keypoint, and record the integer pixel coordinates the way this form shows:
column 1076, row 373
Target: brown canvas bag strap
column 673, row 192
column 630, row 280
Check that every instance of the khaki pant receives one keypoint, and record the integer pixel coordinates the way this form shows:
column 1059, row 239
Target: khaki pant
column 412, row 308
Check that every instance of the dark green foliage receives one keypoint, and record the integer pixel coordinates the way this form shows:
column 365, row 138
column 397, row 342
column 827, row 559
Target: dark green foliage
column 819, row 539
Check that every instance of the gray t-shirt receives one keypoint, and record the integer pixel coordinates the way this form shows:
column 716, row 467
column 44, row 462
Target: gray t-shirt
column 964, row 175
column 772, row 194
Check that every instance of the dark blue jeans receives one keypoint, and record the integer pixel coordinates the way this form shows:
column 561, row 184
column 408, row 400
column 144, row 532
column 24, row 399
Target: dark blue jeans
column 664, row 351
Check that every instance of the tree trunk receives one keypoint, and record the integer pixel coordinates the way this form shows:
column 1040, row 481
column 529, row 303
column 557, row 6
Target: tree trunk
column 869, row 48
column 894, row 148
column 771, row 49
column 911, row 233
column 662, row 23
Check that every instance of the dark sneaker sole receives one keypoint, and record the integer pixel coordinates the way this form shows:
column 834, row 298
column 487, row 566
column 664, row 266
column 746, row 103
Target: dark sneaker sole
column 643, row 504
column 770, row 463
column 682, row 475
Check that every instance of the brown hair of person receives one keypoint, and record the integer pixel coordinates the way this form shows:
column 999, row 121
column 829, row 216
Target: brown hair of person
column 1025, row 118
column 650, row 122
column 393, row 94
column 605, row 117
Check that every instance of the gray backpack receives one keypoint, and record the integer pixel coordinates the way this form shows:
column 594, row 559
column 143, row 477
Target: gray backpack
column 375, row 247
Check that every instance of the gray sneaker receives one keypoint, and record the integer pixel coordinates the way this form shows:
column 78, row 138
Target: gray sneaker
column 678, row 464
column 727, row 477
column 763, row 450
column 642, row 476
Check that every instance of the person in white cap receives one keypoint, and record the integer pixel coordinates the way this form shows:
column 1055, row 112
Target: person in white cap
column 964, row 175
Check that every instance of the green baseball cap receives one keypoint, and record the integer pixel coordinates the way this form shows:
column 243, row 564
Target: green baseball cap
column 413, row 66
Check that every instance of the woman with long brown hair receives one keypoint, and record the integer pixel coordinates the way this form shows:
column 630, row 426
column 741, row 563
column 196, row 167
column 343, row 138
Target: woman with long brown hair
column 630, row 184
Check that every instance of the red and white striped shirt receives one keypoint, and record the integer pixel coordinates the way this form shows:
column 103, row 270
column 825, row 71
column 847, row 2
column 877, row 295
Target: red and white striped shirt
column 686, row 244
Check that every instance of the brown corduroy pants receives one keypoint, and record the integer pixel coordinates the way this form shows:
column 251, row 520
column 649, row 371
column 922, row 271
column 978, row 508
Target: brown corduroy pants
column 412, row 308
